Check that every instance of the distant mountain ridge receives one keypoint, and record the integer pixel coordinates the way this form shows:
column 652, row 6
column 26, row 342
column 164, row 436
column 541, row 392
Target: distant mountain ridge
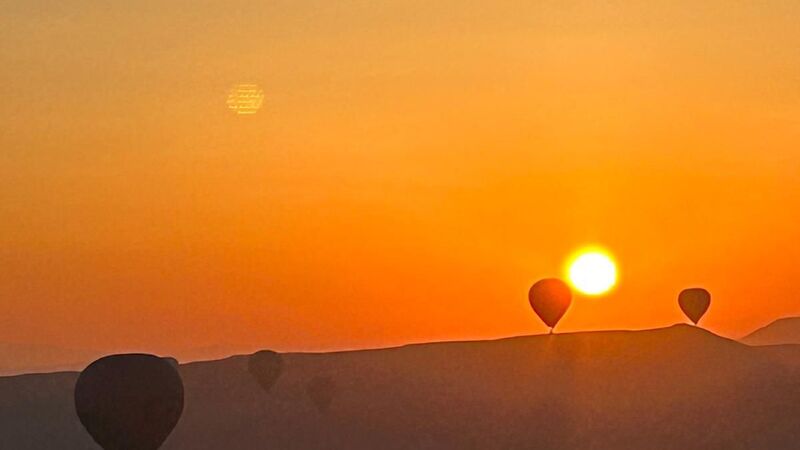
column 17, row 358
column 781, row 331
column 677, row 387
column 21, row 359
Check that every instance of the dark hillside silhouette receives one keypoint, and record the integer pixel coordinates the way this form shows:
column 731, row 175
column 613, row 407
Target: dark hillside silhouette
column 677, row 387
column 781, row 331
column 321, row 390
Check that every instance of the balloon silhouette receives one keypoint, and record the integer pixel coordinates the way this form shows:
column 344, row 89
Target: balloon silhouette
column 694, row 302
column 550, row 298
column 129, row 402
column 172, row 361
column 265, row 366
column 320, row 390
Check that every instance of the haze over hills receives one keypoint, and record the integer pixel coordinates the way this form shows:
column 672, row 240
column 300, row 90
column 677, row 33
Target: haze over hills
column 676, row 387
column 18, row 358
column 781, row 331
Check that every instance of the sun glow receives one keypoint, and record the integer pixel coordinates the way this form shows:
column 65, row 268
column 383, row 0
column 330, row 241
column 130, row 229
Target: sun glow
column 245, row 99
column 592, row 271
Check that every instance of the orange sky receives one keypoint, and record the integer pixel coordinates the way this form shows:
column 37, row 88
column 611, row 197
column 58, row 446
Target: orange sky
column 415, row 167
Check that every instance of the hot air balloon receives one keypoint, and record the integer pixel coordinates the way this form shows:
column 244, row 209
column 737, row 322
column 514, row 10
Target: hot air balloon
column 320, row 390
column 550, row 298
column 172, row 361
column 265, row 366
column 694, row 302
column 129, row 402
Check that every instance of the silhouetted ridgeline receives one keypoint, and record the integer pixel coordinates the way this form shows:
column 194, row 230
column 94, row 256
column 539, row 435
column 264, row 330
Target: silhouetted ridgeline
column 678, row 387
column 16, row 359
column 781, row 331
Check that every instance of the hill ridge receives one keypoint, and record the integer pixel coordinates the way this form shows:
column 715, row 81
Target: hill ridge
column 785, row 330
column 673, row 387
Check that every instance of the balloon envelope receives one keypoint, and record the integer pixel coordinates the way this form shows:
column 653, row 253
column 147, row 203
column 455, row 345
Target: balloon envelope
column 694, row 302
column 172, row 361
column 129, row 402
column 550, row 298
column 265, row 366
column 320, row 390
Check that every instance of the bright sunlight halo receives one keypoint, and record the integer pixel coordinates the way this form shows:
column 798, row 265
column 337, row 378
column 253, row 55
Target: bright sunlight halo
column 592, row 272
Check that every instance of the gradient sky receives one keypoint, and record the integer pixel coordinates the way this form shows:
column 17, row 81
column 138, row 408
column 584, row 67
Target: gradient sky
column 416, row 165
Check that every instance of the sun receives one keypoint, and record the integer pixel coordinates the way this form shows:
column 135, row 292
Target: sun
column 592, row 271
